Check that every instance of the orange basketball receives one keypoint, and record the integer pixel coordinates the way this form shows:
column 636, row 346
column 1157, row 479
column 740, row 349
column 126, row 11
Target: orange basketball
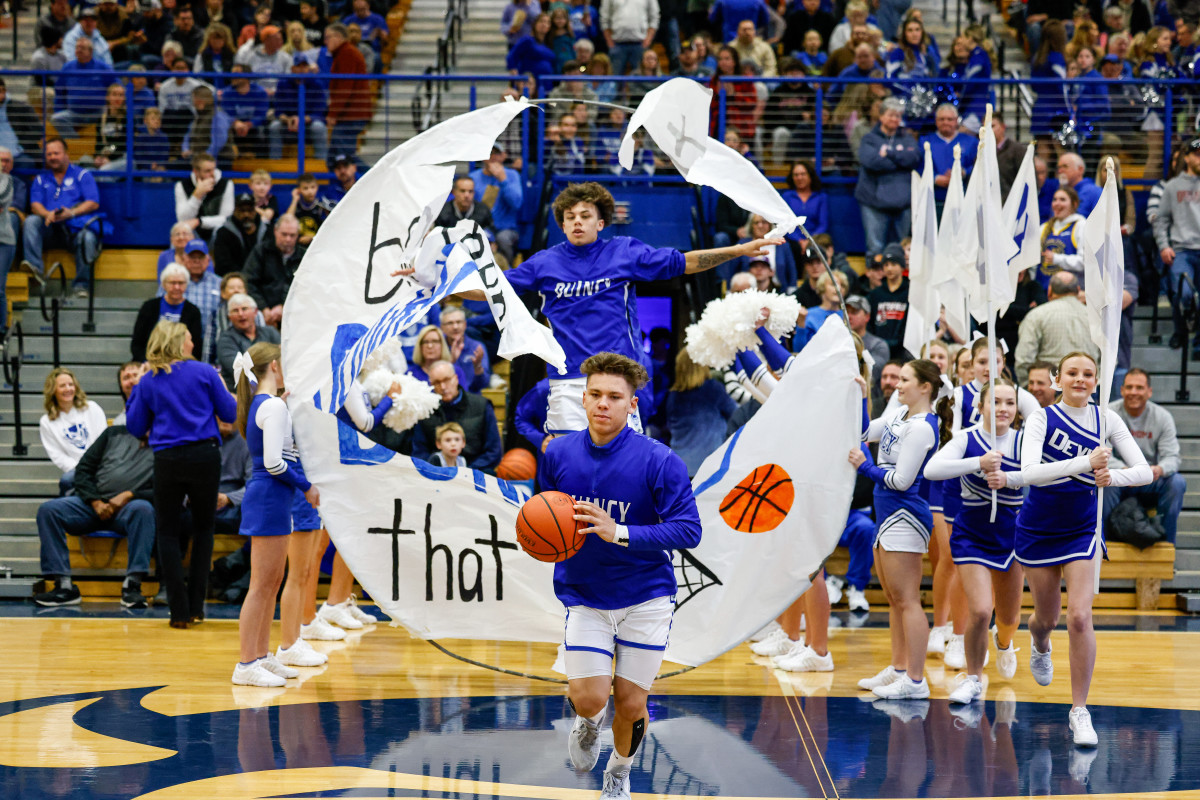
column 761, row 501
column 547, row 528
column 518, row 464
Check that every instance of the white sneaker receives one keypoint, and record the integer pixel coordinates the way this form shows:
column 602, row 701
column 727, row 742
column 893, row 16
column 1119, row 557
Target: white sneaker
column 616, row 784
column 904, row 710
column 300, row 654
column 255, row 674
column 766, row 631
column 796, row 649
column 967, row 690
column 937, row 638
column 271, row 663
column 904, row 689
column 857, row 599
column 885, row 676
column 1080, row 721
column 356, row 612
column 1040, row 664
column 1006, row 660
column 583, row 743
column 834, row 585
column 955, row 656
column 1079, row 763
column 321, row 631
column 806, row 660
column 776, row 644
column 338, row 615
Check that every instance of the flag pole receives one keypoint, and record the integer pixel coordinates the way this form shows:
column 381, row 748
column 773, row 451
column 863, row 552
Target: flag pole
column 991, row 332
column 1105, row 389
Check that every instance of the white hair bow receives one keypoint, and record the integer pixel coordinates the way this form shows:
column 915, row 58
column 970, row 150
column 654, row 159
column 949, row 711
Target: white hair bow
column 243, row 365
column 946, row 389
column 1003, row 345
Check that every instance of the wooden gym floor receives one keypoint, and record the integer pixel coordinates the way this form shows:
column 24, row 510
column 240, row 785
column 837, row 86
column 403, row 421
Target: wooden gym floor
column 100, row 703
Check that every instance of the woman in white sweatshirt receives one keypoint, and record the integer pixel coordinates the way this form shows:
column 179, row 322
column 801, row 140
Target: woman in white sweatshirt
column 70, row 425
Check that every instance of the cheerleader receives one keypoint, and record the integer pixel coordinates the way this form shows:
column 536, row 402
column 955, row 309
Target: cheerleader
column 907, row 438
column 1159, row 64
column 1063, row 460
column 1059, row 249
column 1050, row 108
column 981, row 549
column 910, row 61
column 264, row 420
column 966, row 410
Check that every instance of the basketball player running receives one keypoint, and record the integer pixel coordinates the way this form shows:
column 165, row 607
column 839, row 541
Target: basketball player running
column 634, row 495
column 1064, row 461
column 587, row 289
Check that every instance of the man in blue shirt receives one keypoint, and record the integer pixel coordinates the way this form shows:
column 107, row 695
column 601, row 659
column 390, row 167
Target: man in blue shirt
column 345, row 175
column 465, row 352
column 247, row 103
column 500, row 187
column 728, row 14
column 287, row 112
column 941, row 149
column 633, row 495
column 64, row 205
column 374, row 27
column 80, row 90
column 1072, row 171
column 204, row 292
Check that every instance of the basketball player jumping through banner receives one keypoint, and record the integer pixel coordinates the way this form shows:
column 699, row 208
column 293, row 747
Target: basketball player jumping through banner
column 634, row 496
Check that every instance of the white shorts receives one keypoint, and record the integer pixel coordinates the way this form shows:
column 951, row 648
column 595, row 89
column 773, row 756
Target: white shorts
column 565, row 413
column 899, row 535
column 635, row 636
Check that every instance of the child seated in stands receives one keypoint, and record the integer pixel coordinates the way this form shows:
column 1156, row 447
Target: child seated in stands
column 151, row 147
column 450, row 442
column 265, row 203
column 306, row 208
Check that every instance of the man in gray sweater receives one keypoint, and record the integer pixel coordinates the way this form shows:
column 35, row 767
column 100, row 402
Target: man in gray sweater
column 1154, row 430
column 1177, row 232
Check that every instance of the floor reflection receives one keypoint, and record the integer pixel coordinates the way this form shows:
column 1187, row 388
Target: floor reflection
column 707, row 746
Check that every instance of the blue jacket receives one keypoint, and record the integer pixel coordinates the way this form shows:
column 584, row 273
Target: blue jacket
column 530, row 55
column 728, row 14
column 1051, row 104
column 645, row 488
column 222, row 124
column 180, row 407
column 81, row 87
column 250, row 107
column 942, row 154
column 287, row 99
column 1046, row 197
column 1091, row 101
column 530, row 416
column 1089, row 194
column 508, row 204
column 883, row 180
column 151, row 148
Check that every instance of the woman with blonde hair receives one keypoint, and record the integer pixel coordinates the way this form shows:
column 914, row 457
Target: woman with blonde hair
column 432, row 346
column 697, row 410
column 276, row 482
column 70, row 425
column 177, row 403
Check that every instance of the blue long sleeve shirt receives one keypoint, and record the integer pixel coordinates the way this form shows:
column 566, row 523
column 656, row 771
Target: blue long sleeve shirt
column 180, row 407
column 507, row 208
column 250, row 107
column 287, row 99
column 816, row 209
column 942, row 154
column 644, row 487
column 530, row 416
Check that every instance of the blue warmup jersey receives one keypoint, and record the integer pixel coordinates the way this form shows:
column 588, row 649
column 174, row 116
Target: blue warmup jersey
column 643, row 485
column 588, row 293
column 1057, row 522
column 975, row 538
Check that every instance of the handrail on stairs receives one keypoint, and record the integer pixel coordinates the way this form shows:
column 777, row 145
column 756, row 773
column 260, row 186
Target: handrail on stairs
column 12, row 374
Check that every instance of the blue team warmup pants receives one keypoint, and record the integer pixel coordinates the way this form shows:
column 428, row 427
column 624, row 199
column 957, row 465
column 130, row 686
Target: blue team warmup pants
column 857, row 538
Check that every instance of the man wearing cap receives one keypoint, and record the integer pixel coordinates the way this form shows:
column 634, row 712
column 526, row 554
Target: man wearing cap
column 349, row 99
column 204, row 292
column 811, row 270
column 190, row 37
column 345, row 175
column 86, row 28
column 500, row 188
column 462, row 206
column 287, row 112
column 374, row 27
column 269, row 57
column 858, row 314
column 889, row 303
column 247, row 104
column 1177, row 232
column 204, row 199
column 234, row 240
column 63, row 206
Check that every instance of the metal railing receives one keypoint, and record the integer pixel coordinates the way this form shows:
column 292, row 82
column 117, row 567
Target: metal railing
column 427, row 97
column 12, row 374
column 51, row 314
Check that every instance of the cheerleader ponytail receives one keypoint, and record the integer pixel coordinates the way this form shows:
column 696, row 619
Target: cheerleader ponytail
column 248, row 368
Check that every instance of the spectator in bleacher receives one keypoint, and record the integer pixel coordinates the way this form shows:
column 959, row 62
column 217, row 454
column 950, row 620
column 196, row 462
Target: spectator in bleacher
column 606, row 90
column 472, row 411
column 741, row 98
column 80, row 90
column 532, row 54
column 1153, row 429
column 1177, row 234
column 70, row 425
column 1050, row 108
column 266, row 204
column 648, row 67
column 832, row 290
column 724, row 16
column 430, row 347
column 858, row 314
column 500, row 187
column 857, row 13
column 689, row 63
column 790, row 113
column 313, row 26
column 462, row 205
column 86, row 28
column 116, row 26
column 349, row 99
column 113, row 490
column 306, row 208
column 571, row 91
column 267, row 57
column 584, row 50
column 247, row 104
column 296, row 41
column 802, row 18
column 942, row 142
column 271, row 266
column 287, row 112
column 14, row 200
column 109, row 152
column 468, row 355
column 751, row 46
column 155, row 27
column 177, row 403
column 1185, row 48
column 57, row 18
column 629, row 28
column 172, row 306
column 252, row 30
column 370, row 57
column 234, row 240
column 517, row 19
column 181, row 234
column 213, row 11
column 20, row 129
column 374, row 27
column 886, row 156
column 141, row 95
column 127, row 377
column 243, row 331
column 175, row 98
column 49, row 56
column 811, row 270
column 211, row 129
column 1072, row 172
column 217, row 54
column 185, row 32
column 804, row 196
column 204, row 199
column 779, row 258
column 970, row 61
column 1055, row 328
column 1137, row 14
column 233, row 283
column 1041, row 383
column 204, row 292
column 889, row 302
column 842, row 57
column 697, row 410
column 1009, row 153
column 865, row 65
column 65, row 209
column 345, row 175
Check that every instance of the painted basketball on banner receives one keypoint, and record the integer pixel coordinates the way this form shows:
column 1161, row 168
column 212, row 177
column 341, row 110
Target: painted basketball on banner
column 761, row 501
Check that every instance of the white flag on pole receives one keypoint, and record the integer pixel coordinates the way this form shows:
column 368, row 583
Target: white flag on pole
column 989, row 281
column 1022, row 219
column 956, row 245
column 924, row 306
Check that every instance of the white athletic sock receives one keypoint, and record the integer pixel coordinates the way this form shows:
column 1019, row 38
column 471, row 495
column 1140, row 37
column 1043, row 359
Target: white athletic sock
column 596, row 720
column 616, row 760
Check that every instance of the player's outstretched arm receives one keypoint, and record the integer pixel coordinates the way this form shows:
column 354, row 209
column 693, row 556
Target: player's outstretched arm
column 702, row 260
column 471, row 294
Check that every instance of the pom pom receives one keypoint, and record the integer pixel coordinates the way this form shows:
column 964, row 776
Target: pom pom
column 377, row 383
column 727, row 325
column 389, row 356
column 416, row 402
